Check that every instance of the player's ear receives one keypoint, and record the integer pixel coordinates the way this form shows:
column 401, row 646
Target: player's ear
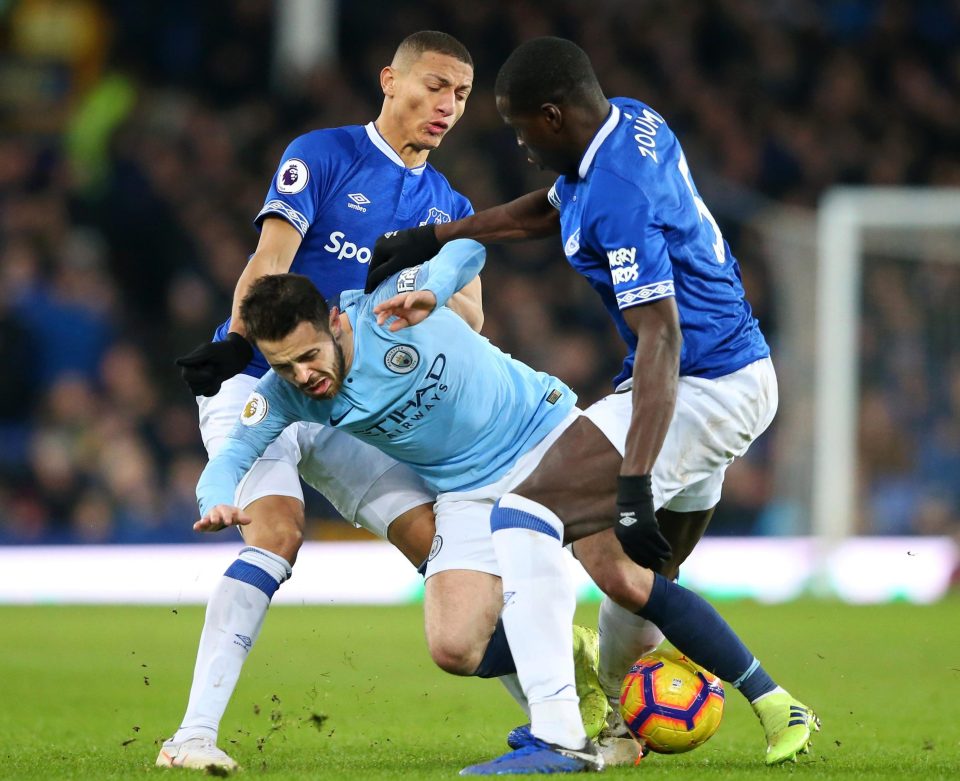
column 387, row 81
column 334, row 321
column 552, row 115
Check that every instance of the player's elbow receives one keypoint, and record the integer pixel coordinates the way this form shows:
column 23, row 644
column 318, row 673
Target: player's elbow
column 474, row 317
column 468, row 304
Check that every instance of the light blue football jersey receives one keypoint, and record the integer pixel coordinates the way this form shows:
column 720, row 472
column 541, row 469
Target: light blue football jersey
column 437, row 396
column 342, row 188
column 634, row 225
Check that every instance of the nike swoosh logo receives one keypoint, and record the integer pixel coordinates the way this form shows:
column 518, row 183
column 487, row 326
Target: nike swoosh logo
column 337, row 421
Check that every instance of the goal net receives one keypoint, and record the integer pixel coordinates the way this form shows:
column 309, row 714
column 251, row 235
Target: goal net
column 867, row 295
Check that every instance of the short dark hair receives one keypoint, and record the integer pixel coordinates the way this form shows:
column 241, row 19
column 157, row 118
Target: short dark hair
column 546, row 70
column 277, row 303
column 433, row 41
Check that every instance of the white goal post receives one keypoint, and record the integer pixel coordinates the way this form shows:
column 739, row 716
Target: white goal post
column 843, row 215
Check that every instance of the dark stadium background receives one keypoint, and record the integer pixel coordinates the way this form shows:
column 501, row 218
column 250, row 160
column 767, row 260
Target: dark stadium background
column 137, row 140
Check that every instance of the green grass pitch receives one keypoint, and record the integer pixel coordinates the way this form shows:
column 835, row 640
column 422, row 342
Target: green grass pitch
column 350, row 693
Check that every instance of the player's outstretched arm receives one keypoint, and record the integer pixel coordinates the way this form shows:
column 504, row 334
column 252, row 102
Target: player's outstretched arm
column 452, row 270
column 263, row 419
column 530, row 216
column 220, row 517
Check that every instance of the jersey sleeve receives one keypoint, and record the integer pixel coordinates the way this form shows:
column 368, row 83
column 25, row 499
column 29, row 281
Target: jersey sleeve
column 454, row 266
column 620, row 227
column 464, row 207
column 264, row 417
column 294, row 193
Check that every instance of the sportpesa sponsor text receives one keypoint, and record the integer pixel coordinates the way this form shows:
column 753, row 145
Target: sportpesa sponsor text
column 347, row 250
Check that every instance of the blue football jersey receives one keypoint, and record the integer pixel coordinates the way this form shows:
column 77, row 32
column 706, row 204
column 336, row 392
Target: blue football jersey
column 634, row 225
column 437, row 396
column 342, row 188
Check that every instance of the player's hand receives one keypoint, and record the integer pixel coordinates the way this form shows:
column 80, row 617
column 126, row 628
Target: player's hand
column 637, row 528
column 206, row 367
column 408, row 308
column 398, row 250
column 220, row 517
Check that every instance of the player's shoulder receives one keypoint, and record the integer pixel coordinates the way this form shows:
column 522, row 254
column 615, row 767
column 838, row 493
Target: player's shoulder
column 641, row 143
column 638, row 148
column 318, row 157
column 633, row 109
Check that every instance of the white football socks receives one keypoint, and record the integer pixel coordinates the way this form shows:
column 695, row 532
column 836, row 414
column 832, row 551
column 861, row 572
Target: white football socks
column 235, row 613
column 511, row 682
column 624, row 638
column 539, row 602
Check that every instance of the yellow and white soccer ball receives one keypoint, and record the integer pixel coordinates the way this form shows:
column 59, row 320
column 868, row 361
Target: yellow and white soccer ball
column 670, row 704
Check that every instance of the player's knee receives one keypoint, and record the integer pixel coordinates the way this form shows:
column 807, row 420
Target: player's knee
column 289, row 540
column 627, row 584
column 279, row 531
column 455, row 655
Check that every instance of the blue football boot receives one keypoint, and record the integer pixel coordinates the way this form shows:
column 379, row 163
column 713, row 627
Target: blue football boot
column 539, row 757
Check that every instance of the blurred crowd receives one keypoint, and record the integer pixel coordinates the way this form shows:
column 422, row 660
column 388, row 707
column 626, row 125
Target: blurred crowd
column 138, row 143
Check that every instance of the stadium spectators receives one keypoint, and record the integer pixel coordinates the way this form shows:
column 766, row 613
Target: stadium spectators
column 125, row 218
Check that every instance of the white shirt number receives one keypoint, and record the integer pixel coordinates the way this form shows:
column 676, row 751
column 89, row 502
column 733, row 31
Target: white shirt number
column 703, row 211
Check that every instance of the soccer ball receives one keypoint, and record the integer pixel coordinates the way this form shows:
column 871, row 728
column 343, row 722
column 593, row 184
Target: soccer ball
column 670, row 704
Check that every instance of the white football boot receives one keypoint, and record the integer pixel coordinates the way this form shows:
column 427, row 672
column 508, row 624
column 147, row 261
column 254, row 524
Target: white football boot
column 194, row 753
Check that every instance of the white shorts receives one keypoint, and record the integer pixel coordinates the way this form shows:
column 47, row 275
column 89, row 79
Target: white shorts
column 463, row 539
column 366, row 487
column 714, row 422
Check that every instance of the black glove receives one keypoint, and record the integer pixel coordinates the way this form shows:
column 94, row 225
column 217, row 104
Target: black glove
column 637, row 528
column 205, row 367
column 398, row 250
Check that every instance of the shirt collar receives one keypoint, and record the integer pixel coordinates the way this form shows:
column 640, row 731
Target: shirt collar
column 605, row 130
column 380, row 143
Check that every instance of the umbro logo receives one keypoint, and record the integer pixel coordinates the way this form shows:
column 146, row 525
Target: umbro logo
column 359, row 201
